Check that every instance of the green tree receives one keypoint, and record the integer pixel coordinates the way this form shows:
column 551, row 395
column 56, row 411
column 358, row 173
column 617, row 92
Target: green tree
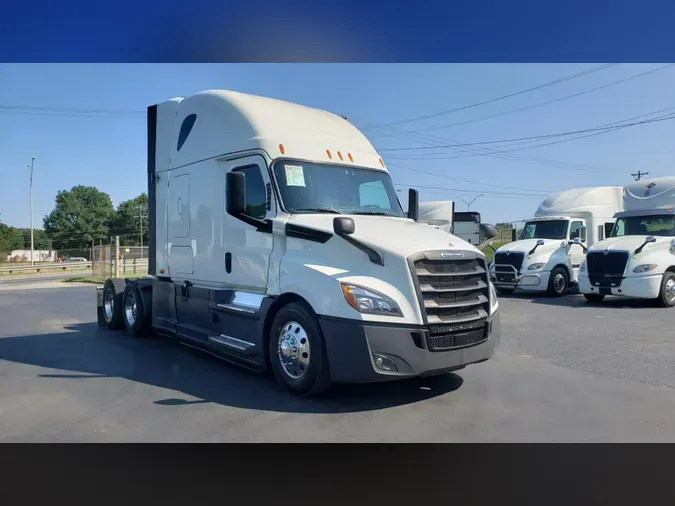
column 80, row 215
column 130, row 218
column 503, row 224
column 10, row 239
column 40, row 239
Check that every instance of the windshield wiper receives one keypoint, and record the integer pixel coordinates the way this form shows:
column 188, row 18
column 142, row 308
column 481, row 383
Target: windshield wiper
column 319, row 210
column 373, row 213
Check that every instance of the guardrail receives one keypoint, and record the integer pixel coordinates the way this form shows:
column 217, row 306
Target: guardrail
column 66, row 266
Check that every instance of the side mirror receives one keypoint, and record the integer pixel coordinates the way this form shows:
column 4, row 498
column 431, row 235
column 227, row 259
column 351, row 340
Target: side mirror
column 235, row 193
column 343, row 226
column 576, row 240
column 650, row 239
column 487, row 231
column 489, row 243
column 540, row 242
column 413, row 204
column 583, row 234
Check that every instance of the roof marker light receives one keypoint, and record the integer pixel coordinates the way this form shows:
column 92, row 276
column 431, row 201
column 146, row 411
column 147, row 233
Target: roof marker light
column 282, row 149
column 351, row 159
column 381, row 162
column 339, row 155
column 329, row 154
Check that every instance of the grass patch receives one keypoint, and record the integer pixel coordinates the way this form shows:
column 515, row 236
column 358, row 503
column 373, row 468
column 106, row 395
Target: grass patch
column 487, row 250
column 98, row 280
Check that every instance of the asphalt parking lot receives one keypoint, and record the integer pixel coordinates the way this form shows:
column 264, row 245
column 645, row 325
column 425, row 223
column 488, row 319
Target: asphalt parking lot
column 565, row 371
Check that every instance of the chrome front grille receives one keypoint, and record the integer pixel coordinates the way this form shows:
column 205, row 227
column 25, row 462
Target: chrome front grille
column 454, row 297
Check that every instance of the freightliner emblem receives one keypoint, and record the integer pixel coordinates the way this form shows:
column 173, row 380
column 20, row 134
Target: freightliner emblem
column 452, row 254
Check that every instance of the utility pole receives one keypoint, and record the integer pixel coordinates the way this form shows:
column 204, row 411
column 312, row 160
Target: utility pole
column 140, row 216
column 468, row 204
column 30, row 168
column 637, row 176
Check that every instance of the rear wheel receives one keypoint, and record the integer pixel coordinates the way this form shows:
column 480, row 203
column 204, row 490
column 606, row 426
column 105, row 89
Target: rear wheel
column 594, row 297
column 113, row 297
column 667, row 294
column 136, row 320
column 559, row 282
column 504, row 291
column 298, row 352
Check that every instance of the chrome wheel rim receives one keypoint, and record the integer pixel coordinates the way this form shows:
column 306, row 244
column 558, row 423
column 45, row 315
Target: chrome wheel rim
column 293, row 350
column 559, row 283
column 130, row 308
column 670, row 290
column 109, row 304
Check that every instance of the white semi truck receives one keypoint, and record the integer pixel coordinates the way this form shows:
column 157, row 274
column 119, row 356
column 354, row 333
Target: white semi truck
column 277, row 241
column 637, row 260
column 465, row 225
column 552, row 245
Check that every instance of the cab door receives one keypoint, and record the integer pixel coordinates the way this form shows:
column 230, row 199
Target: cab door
column 248, row 249
column 576, row 252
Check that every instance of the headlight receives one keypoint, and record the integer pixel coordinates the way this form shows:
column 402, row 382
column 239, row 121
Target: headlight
column 535, row 267
column 582, row 267
column 369, row 301
column 493, row 298
column 644, row 268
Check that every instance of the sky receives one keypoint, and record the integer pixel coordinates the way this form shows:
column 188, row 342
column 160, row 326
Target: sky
column 108, row 149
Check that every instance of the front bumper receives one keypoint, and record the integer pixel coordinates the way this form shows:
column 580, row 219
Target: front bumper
column 637, row 287
column 353, row 346
column 535, row 282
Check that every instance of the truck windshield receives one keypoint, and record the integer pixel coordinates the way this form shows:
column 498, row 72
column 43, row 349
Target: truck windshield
column 549, row 229
column 645, row 225
column 319, row 188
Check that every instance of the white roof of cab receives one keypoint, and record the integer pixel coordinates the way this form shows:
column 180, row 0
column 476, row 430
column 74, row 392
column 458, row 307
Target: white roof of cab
column 655, row 193
column 601, row 201
column 229, row 122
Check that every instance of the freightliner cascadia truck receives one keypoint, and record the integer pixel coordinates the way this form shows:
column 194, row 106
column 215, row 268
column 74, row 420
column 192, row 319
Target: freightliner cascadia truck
column 277, row 241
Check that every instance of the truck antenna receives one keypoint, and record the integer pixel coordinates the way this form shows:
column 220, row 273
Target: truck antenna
column 638, row 175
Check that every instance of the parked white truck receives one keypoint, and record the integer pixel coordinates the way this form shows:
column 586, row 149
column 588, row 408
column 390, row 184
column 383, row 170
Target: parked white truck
column 277, row 241
column 552, row 245
column 465, row 225
column 638, row 258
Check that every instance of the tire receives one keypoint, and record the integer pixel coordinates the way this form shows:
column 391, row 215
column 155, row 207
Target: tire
column 136, row 319
column 504, row 291
column 296, row 336
column 594, row 297
column 558, row 283
column 667, row 293
column 113, row 297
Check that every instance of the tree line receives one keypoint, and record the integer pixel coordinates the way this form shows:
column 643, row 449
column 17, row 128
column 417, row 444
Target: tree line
column 81, row 216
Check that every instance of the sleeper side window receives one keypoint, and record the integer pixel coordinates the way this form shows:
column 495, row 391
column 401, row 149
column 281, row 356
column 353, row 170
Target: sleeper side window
column 575, row 229
column 256, row 193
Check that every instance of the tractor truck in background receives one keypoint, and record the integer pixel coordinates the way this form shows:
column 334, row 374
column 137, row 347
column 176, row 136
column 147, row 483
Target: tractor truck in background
column 553, row 244
column 277, row 242
column 465, row 225
column 637, row 259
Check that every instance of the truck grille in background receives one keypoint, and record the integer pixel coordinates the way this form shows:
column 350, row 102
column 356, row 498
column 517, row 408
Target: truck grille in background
column 513, row 259
column 455, row 300
column 606, row 269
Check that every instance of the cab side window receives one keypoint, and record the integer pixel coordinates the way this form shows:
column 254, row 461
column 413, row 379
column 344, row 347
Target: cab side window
column 256, row 194
column 575, row 229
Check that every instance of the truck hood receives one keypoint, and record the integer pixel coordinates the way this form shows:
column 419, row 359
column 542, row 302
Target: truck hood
column 626, row 243
column 399, row 236
column 525, row 245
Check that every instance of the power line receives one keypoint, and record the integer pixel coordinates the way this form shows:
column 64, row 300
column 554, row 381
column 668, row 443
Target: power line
column 534, row 106
column 610, row 127
column 503, row 97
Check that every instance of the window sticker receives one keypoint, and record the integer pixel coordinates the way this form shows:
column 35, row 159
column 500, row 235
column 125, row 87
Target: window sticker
column 295, row 176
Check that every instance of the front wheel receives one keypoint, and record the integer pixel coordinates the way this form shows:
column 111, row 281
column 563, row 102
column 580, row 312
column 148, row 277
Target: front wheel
column 667, row 293
column 594, row 297
column 559, row 282
column 298, row 351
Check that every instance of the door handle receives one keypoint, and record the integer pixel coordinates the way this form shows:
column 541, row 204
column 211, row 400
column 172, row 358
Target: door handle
column 228, row 262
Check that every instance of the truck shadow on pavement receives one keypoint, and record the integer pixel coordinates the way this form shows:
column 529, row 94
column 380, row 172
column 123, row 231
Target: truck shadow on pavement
column 575, row 299
column 91, row 353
